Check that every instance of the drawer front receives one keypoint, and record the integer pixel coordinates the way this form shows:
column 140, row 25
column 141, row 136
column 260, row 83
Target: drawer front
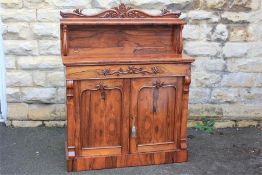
column 126, row 71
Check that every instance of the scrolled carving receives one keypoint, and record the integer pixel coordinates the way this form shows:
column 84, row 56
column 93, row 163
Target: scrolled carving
column 79, row 12
column 65, row 46
column 158, row 84
column 69, row 88
column 130, row 70
column 187, row 82
column 122, row 11
column 102, row 89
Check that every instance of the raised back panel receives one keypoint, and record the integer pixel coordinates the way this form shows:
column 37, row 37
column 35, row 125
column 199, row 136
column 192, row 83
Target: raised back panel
column 85, row 40
column 120, row 30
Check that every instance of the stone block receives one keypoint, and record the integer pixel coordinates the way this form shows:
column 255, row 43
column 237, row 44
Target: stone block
column 235, row 49
column 225, row 124
column 38, row 95
column 255, row 49
column 215, row 65
column 47, row 112
column 45, row 31
column 196, row 32
column 244, row 65
column 197, row 111
column 255, row 32
column 242, row 111
column 247, row 123
column 238, row 80
column 235, row 17
column 17, row 111
column 18, row 15
column 57, row 124
column 182, row 5
column 49, row 47
column 199, row 15
column 8, row 123
column 39, row 78
column 251, row 95
column 220, row 33
column 244, row 5
column 27, row 124
column 11, row 4
column 238, row 33
column 216, row 4
column 224, row 95
column 56, row 79
column 71, row 4
column 20, row 47
column 199, row 48
column 17, row 31
column 106, row 4
column 40, row 62
column 206, row 79
column 207, row 64
column 259, row 80
column 191, row 32
column 19, row 78
column 37, row 4
column 199, row 95
column 10, row 62
column 61, row 95
column 13, row 95
column 48, row 15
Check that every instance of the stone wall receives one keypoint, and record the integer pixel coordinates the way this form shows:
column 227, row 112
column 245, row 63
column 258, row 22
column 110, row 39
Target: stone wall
column 225, row 37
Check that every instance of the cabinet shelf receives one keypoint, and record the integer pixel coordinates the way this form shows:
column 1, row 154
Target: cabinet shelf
column 116, row 58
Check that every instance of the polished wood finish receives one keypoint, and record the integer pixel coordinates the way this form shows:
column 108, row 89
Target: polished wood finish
column 127, row 88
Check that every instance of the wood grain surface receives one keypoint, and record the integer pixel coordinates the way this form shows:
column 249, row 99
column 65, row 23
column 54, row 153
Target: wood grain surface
column 127, row 88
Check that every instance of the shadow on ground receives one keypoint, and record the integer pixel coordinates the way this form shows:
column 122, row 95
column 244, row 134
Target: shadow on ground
column 41, row 151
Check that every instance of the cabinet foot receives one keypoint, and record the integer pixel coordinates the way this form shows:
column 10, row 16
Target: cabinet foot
column 182, row 156
column 70, row 165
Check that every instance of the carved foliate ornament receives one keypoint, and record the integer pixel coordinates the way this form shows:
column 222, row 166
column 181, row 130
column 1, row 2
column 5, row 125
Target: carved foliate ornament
column 122, row 11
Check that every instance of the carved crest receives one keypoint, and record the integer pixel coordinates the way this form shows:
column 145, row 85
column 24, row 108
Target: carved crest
column 122, row 11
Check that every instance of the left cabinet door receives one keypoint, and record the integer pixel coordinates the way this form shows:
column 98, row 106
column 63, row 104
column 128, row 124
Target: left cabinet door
column 102, row 117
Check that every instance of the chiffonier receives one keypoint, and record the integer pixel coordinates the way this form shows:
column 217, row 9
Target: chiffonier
column 127, row 87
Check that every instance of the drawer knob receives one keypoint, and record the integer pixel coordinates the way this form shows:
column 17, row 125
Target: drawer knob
column 130, row 70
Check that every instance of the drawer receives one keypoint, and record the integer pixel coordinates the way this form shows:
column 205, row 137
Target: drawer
column 126, row 71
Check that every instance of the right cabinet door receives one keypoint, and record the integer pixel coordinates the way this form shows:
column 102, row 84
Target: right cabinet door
column 155, row 113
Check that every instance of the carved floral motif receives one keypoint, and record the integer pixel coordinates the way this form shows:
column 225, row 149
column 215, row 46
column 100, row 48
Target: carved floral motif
column 122, row 11
column 130, row 70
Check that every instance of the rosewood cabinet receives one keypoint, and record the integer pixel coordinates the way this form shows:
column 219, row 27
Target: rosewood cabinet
column 127, row 88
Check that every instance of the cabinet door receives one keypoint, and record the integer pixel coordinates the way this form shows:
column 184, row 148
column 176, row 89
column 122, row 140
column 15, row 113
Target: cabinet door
column 102, row 117
column 155, row 111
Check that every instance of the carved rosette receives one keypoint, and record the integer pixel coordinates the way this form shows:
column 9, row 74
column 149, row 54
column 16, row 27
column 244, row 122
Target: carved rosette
column 122, row 11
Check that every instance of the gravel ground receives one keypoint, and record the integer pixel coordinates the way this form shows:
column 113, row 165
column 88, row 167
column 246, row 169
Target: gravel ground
column 41, row 151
